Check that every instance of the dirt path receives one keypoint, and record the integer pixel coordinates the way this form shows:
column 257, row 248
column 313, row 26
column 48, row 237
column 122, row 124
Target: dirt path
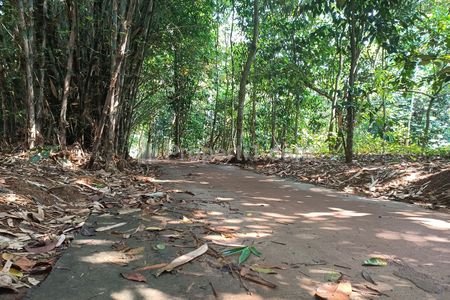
column 306, row 230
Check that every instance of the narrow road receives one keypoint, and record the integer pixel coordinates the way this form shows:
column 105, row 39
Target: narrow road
column 308, row 230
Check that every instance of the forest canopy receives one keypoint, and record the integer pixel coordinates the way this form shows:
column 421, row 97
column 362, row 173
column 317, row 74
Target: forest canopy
column 250, row 77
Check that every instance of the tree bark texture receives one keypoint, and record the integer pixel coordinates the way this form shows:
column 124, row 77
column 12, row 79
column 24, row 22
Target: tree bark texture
column 243, row 82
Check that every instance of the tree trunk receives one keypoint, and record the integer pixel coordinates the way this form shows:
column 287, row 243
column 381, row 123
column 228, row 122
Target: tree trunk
column 426, row 131
column 72, row 7
column 331, row 141
column 5, row 114
column 273, row 123
column 177, row 102
column 383, row 104
column 283, row 142
column 42, row 72
column 232, row 128
column 148, row 146
column 351, row 101
column 410, row 116
column 297, row 116
column 108, row 106
column 253, row 150
column 28, row 39
column 243, row 82
column 216, row 101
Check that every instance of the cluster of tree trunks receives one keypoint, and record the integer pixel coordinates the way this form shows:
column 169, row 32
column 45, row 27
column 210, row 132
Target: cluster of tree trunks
column 71, row 73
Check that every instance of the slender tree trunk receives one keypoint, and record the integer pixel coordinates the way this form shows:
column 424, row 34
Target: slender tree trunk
column 177, row 101
column 134, row 71
column 5, row 115
column 216, row 101
column 351, row 101
column 383, row 104
column 177, row 137
column 148, row 146
column 297, row 114
column 243, row 83
column 72, row 7
column 232, row 128
column 426, row 131
column 273, row 123
column 119, row 58
column 283, row 142
column 139, row 153
column 42, row 72
column 28, row 40
column 297, row 92
column 410, row 116
column 226, row 139
column 331, row 141
column 253, row 149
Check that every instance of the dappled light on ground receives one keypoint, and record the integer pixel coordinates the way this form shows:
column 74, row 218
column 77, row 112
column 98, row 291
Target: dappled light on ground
column 141, row 292
column 411, row 236
column 303, row 237
column 112, row 257
column 432, row 223
column 268, row 199
column 335, row 213
column 92, row 242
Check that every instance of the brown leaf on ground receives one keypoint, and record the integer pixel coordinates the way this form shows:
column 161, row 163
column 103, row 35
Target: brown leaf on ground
column 134, row 277
column 43, row 267
column 181, row 260
column 51, row 198
column 24, row 263
column 134, row 251
column 43, row 249
column 151, row 267
column 335, row 291
column 246, row 273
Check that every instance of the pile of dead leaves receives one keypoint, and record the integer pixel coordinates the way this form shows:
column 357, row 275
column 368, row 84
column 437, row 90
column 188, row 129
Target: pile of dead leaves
column 45, row 197
column 410, row 179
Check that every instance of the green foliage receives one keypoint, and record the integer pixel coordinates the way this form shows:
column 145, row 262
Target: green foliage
column 179, row 81
column 244, row 253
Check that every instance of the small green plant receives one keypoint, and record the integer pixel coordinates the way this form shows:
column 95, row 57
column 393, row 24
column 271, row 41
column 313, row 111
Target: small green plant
column 244, row 253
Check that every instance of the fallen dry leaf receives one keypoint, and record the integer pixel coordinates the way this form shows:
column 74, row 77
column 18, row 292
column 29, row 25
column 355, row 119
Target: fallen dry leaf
column 154, row 228
column 151, row 267
column 181, row 260
column 33, row 281
column 105, row 228
column 134, row 277
column 41, row 268
column 245, row 273
column 259, row 269
column 61, row 240
column 134, row 251
column 6, row 282
column 7, row 266
column 335, row 291
column 43, row 249
column 126, row 211
column 132, row 232
column 24, row 263
column 227, row 244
